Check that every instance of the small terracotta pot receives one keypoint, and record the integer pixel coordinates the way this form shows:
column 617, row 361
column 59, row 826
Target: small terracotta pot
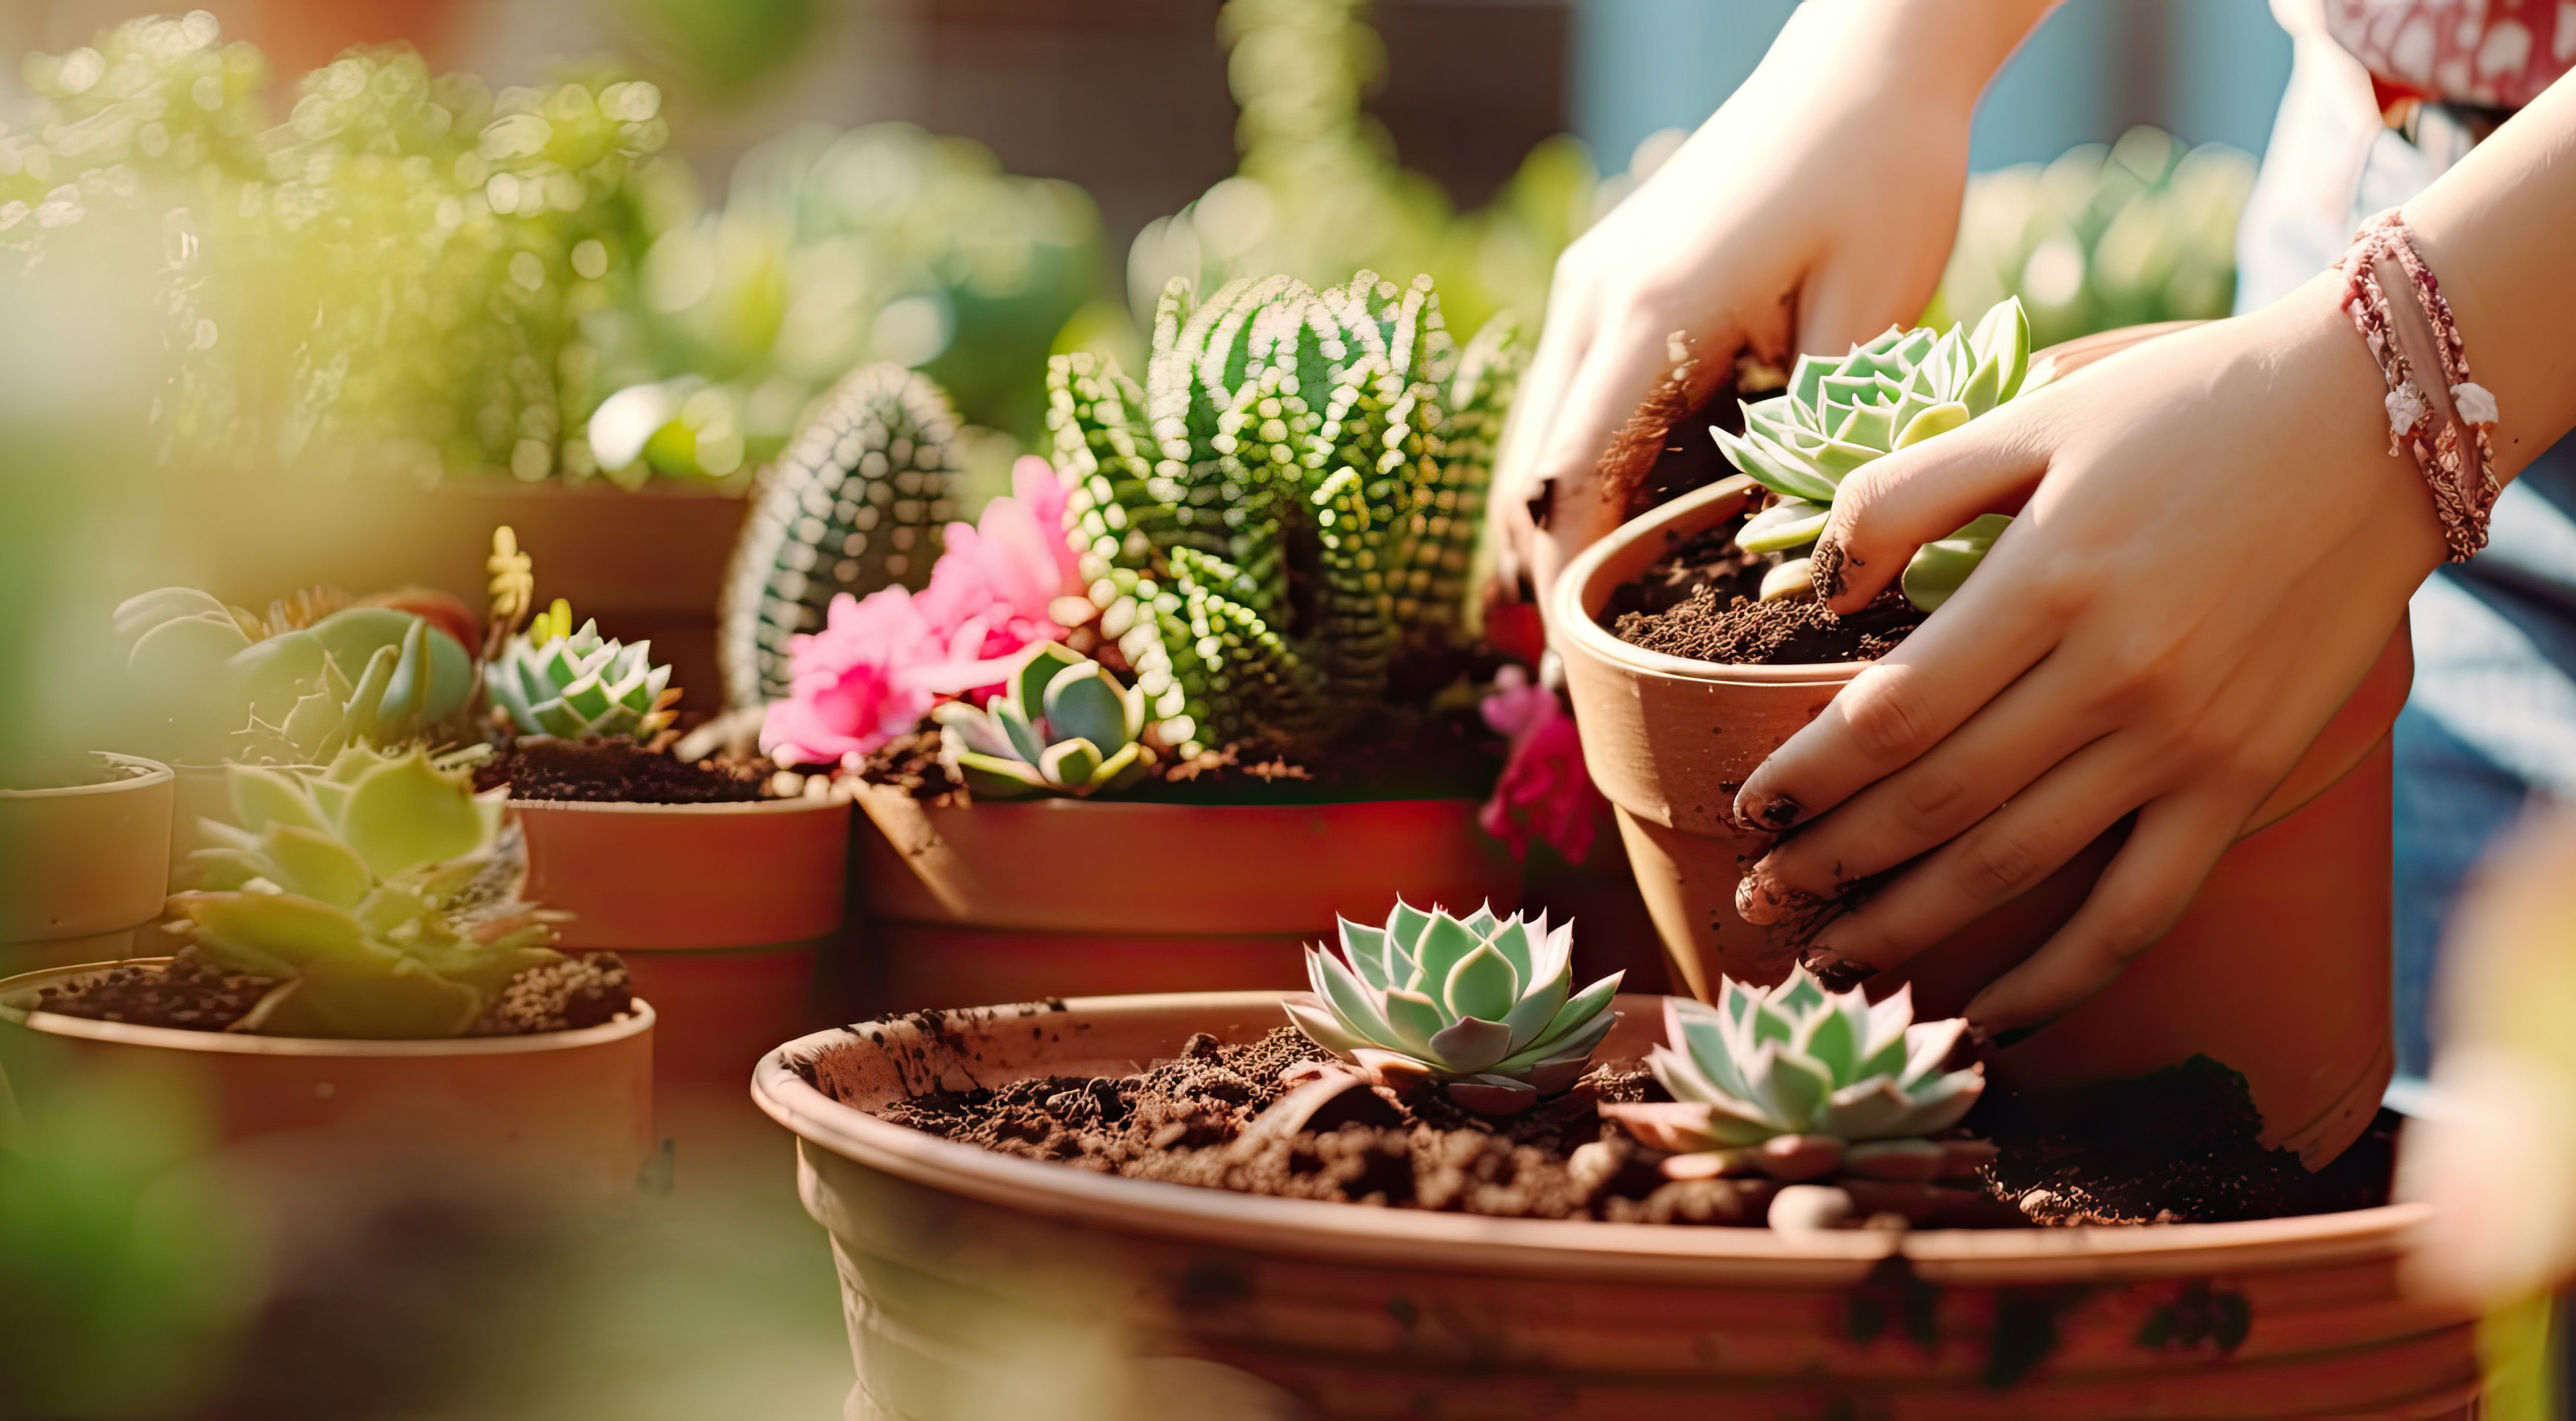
column 82, row 866
column 972, row 1279
column 1056, row 897
column 2278, row 970
column 568, row 1111
column 717, row 910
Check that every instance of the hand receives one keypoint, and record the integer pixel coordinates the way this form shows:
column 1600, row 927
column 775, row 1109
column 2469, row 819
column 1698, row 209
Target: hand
column 2213, row 544
column 1812, row 211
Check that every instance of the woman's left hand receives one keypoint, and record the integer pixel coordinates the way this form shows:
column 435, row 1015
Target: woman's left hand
column 2211, row 545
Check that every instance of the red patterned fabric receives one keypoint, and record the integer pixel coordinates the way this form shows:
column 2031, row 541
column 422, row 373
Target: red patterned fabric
column 2490, row 53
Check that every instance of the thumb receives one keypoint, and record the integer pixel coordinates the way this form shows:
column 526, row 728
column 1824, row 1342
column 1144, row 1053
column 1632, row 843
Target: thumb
column 1891, row 506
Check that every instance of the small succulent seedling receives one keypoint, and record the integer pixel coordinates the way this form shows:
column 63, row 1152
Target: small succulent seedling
column 1481, row 1005
column 1839, row 414
column 1797, row 1082
column 381, row 894
column 1062, row 726
column 554, row 680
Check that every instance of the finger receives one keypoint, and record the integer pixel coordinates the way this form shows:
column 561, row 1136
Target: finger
column 1998, row 625
column 2003, row 857
column 2176, row 843
column 1893, row 505
column 2038, row 722
column 1561, row 351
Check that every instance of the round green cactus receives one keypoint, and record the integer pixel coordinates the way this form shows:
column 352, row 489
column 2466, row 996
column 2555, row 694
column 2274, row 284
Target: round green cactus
column 1839, row 414
column 553, row 680
column 1482, row 1005
column 1061, row 726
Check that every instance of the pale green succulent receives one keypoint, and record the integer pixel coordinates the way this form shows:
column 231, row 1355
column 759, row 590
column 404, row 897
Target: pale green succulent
column 211, row 683
column 1062, row 725
column 1798, row 1061
column 553, row 680
column 1480, row 1004
column 1839, row 414
column 381, row 894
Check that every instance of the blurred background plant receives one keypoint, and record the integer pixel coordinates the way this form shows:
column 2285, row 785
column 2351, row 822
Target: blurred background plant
column 2124, row 234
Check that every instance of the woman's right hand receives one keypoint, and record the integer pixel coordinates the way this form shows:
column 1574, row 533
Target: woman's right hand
column 1813, row 210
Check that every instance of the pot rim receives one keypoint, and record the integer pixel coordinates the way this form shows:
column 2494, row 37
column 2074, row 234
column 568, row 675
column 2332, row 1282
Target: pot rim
column 226, row 1043
column 154, row 772
column 1573, row 619
column 800, row 804
column 1398, row 1238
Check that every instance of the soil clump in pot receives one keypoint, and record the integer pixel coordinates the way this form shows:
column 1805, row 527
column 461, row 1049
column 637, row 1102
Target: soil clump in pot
column 1703, row 601
column 186, row 994
column 618, row 771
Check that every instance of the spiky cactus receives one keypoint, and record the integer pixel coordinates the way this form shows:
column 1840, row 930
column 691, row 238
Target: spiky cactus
column 1290, row 497
column 857, row 502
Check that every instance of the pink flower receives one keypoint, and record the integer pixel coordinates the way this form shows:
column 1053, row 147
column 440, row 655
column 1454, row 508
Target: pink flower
column 997, row 580
column 878, row 665
column 1544, row 793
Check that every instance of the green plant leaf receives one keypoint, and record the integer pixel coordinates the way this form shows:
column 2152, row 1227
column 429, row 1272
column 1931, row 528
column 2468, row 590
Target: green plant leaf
column 1415, row 1019
column 1068, row 764
column 372, row 995
column 991, row 777
column 262, row 797
column 1444, row 942
column 1938, row 569
column 1483, row 985
column 1939, row 419
column 1790, row 523
column 314, row 864
column 1028, row 684
column 291, row 929
column 1082, row 702
column 404, row 813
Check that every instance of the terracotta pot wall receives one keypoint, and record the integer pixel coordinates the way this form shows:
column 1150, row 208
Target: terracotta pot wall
column 973, row 1280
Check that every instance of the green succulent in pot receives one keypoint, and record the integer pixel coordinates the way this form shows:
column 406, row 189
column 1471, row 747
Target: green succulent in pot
column 554, row 680
column 1798, row 1082
column 1480, row 1005
column 1061, row 726
column 1842, row 413
column 380, row 894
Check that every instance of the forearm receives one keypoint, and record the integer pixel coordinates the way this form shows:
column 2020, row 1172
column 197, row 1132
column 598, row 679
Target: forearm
column 1940, row 51
column 2496, row 231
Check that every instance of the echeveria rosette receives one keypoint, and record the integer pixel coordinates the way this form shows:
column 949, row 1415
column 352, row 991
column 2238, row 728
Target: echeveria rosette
column 1482, row 1005
column 1839, row 414
column 1062, row 726
column 1797, row 1082
column 382, row 895
column 556, row 681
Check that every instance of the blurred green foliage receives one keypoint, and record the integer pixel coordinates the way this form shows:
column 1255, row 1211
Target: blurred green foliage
column 2102, row 237
column 1320, row 194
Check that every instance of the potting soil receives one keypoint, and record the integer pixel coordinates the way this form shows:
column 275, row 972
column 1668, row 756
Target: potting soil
column 1703, row 600
column 187, row 995
column 618, row 771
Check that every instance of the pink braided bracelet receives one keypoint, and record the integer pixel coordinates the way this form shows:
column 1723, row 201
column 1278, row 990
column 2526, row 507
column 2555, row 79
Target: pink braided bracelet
column 2463, row 494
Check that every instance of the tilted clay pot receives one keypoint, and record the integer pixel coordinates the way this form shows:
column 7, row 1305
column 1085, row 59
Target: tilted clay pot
column 718, row 911
column 567, row 1112
column 83, row 865
column 978, row 1284
column 1059, row 897
column 2279, row 970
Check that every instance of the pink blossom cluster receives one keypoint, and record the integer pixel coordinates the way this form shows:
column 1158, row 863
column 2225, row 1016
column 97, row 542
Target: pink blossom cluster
column 880, row 663
column 1545, row 793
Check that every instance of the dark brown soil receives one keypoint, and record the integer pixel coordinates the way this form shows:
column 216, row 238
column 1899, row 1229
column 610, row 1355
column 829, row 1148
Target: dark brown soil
column 187, row 995
column 618, row 771
column 2178, row 1146
column 1444, row 755
column 1185, row 1121
column 1743, row 632
column 1685, row 457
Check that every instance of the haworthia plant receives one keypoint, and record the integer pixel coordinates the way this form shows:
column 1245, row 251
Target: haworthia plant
column 1061, row 726
column 1290, row 498
column 857, row 502
column 1839, row 414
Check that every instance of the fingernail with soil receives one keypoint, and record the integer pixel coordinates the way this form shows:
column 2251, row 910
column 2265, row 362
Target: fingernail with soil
column 1762, row 899
column 1834, row 971
column 1775, row 813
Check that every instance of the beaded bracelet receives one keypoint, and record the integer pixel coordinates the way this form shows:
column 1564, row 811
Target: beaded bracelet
column 2463, row 496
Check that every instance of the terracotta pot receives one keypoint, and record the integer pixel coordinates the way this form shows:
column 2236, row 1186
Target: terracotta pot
column 973, row 1282
column 1022, row 901
column 568, row 1111
column 82, row 866
column 2279, row 969
column 718, row 910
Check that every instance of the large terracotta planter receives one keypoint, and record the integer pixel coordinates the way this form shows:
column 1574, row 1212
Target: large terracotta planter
column 1040, row 898
column 978, row 1284
column 563, row 1111
column 2279, row 969
column 82, row 866
column 717, row 909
